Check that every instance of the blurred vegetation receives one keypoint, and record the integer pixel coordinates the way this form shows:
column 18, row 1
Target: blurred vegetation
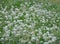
column 55, row 3
column 54, row 7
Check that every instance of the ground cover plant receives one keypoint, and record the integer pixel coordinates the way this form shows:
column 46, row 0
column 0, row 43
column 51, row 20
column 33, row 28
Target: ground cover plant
column 29, row 22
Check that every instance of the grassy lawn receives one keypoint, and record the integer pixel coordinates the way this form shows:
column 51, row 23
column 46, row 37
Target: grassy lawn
column 29, row 22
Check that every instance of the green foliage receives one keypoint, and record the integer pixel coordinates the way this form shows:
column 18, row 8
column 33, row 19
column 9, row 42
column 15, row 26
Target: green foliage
column 17, row 4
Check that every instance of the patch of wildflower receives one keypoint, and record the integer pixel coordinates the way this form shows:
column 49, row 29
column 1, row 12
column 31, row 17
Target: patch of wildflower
column 32, row 25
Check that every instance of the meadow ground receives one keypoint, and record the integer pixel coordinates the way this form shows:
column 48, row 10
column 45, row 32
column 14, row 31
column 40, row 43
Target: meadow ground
column 29, row 22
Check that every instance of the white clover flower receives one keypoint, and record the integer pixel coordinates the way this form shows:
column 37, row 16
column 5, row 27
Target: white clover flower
column 26, row 3
column 5, row 28
column 2, row 39
column 7, row 32
column 14, row 32
column 50, row 41
column 0, row 31
column 47, row 28
column 54, row 39
column 24, row 30
column 10, row 24
column 13, row 12
column 45, row 43
column 16, row 9
column 0, row 22
column 3, row 12
column 14, row 29
column 29, row 42
column 45, row 37
column 27, row 16
column 16, row 17
column 33, row 38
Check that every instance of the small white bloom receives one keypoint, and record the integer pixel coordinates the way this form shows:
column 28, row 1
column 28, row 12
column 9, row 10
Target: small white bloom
column 0, row 31
column 53, row 39
column 45, row 43
column 33, row 38
column 2, row 38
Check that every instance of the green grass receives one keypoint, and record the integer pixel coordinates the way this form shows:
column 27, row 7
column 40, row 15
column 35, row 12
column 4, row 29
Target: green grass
column 44, row 19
